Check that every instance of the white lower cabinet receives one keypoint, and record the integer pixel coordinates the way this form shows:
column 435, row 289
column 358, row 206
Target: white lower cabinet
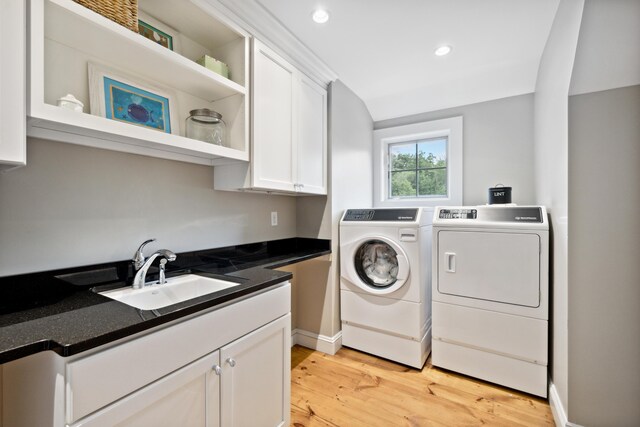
column 226, row 367
column 255, row 388
column 245, row 383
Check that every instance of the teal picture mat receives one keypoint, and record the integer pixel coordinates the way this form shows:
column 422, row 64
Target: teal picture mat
column 120, row 97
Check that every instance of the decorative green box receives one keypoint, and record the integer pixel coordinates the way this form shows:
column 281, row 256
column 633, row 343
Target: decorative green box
column 214, row 65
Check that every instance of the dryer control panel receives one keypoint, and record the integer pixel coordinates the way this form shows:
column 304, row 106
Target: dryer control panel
column 494, row 214
column 458, row 214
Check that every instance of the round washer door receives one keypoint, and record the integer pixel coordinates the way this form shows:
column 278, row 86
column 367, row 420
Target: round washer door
column 380, row 264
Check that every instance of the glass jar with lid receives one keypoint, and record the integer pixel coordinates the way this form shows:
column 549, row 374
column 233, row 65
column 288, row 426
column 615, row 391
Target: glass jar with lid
column 206, row 125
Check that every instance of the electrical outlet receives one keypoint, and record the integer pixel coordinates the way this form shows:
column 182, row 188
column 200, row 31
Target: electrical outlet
column 274, row 218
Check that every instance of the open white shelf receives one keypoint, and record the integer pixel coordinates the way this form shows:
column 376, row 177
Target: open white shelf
column 122, row 48
column 84, row 129
column 65, row 37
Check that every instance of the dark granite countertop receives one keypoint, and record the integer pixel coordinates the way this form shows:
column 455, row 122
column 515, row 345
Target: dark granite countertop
column 59, row 311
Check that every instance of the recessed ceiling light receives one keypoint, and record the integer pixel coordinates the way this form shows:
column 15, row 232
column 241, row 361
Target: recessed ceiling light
column 443, row 50
column 320, row 16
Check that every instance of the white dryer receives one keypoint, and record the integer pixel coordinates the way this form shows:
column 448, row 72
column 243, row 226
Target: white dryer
column 385, row 283
column 491, row 294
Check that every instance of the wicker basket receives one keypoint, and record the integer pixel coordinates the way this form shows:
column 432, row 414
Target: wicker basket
column 124, row 12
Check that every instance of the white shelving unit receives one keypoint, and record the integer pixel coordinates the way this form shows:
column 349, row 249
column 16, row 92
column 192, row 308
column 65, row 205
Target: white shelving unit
column 66, row 37
column 13, row 151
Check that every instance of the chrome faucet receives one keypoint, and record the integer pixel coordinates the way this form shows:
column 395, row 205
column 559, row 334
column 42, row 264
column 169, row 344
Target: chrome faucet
column 138, row 257
column 142, row 265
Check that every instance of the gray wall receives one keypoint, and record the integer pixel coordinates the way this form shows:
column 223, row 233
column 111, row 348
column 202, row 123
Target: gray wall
column 74, row 205
column 604, row 275
column 312, row 213
column 497, row 147
column 551, row 165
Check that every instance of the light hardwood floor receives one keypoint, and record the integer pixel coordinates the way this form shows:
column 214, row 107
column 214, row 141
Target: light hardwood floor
column 354, row 389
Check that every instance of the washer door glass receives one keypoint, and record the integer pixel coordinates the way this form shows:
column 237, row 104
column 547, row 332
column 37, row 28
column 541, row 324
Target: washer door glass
column 376, row 263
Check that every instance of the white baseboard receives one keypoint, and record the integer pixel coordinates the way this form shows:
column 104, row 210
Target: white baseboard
column 559, row 414
column 323, row 343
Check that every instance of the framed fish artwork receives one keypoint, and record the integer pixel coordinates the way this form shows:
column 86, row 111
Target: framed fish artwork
column 117, row 97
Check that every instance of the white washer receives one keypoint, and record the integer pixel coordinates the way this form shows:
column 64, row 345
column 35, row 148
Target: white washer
column 385, row 283
column 491, row 294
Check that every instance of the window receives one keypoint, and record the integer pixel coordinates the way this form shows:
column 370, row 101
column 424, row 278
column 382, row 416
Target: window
column 418, row 168
column 419, row 164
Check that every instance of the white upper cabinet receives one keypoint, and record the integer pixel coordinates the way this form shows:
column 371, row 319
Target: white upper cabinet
column 274, row 127
column 312, row 137
column 12, row 84
column 289, row 131
column 74, row 50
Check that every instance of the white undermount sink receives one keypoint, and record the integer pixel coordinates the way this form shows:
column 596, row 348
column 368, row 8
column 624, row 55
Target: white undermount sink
column 175, row 290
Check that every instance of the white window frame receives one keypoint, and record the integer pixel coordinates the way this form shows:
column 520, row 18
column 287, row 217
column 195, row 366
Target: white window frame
column 451, row 128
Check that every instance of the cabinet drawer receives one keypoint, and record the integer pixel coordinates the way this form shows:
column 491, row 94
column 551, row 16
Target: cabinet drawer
column 99, row 379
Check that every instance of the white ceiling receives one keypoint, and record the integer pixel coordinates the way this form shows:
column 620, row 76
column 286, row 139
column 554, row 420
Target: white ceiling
column 383, row 50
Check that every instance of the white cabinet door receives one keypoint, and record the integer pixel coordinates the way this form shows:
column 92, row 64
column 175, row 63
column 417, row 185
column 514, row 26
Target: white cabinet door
column 273, row 108
column 189, row 397
column 312, row 138
column 256, row 375
column 289, row 131
column 13, row 111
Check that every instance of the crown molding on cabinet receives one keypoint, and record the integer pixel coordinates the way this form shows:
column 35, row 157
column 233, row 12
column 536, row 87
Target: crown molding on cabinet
column 254, row 18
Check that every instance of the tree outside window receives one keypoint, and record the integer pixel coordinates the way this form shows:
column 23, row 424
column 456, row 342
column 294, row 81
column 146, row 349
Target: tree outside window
column 418, row 169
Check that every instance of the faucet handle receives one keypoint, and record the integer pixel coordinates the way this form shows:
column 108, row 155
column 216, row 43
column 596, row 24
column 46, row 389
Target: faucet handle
column 138, row 257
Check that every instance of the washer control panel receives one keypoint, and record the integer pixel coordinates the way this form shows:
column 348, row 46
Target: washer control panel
column 381, row 215
column 359, row 215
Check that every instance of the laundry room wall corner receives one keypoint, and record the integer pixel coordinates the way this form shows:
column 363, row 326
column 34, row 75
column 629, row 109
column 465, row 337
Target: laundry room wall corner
column 351, row 176
column 551, row 170
column 349, row 184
